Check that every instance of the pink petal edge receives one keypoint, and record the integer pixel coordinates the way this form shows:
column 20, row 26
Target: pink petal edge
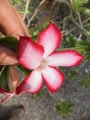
column 53, row 78
column 29, row 53
column 5, row 92
column 7, row 98
column 32, row 83
column 64, row 58
column 10, row 94
column 50, row 38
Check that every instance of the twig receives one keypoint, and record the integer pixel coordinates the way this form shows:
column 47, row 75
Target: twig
column 86, row 20
column 2, row 70
column 64, row 23
column 79, row 37
column 69, row 31
column 26, row 9
column 81, row 65
column 35, row 13
column 79, row 26
column 79, row 18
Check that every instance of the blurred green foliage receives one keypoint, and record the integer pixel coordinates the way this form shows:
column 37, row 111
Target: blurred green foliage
column 64, row 108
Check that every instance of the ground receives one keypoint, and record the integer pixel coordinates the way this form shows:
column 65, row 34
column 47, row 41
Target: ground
column 43, row 108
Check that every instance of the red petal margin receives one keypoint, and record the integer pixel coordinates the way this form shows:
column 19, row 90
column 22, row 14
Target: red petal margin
column 29, row 53
column 10, row 94
column 32, row 83
column 7, row 98
column 64, row 58
column 5, row 92
column 50, row 38
column 53, row 78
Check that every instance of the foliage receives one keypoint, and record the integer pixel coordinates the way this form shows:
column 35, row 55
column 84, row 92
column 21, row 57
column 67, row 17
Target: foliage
column 35, row 31
column 85, row 82
column 39, row 94
column 72, row 74
column 4, row 77
column 64, row 108
column 78, row 3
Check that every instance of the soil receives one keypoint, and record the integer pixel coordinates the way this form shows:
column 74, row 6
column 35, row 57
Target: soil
column 43, row 108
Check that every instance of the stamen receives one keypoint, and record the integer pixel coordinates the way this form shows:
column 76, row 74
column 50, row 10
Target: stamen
column 42, row 66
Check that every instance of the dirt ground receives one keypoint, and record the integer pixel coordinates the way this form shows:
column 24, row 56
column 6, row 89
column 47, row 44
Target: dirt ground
column 43, row 108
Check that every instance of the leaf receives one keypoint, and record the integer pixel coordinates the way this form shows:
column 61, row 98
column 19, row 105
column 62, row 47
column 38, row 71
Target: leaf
column 34, row 32
column 45, row 25
column 11, row 42
column 85, row 10
column 85, row 82
column 64, row 108
column 78, row 3
column 72, row 74
column 4, row 77
column 87, row 56
column 84, row 44
column 25, row 70
column 39, row 94
column 70, row 41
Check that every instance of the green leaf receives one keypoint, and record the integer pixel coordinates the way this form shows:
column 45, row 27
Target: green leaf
column 34, row 32
column 85, row 11
column 78, row 3
column 4, row 77
column 70, row 41
column 39, row 94
column 84, row 44
column 45, row 25
column 11, row 42
column 25, row 70
column 72, row 74
column 87, row 56
column 85, row 82
column 64, row 108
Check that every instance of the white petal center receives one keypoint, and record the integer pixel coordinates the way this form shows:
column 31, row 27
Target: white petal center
column 43, row 65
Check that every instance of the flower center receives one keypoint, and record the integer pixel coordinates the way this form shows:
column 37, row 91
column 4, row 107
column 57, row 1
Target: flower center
column 42, row 65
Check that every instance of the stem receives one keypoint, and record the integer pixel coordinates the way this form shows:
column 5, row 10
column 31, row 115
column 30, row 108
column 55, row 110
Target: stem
column 26, row 9
column 81, row 65
column 35, row 13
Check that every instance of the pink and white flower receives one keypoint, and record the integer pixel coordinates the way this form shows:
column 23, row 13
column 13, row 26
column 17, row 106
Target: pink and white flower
column 42, row 60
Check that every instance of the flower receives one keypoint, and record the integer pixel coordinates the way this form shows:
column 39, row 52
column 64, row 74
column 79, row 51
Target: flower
column 42, row 60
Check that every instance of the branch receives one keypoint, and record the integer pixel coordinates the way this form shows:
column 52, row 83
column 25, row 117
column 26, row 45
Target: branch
column 35, row 13
column 26, row 9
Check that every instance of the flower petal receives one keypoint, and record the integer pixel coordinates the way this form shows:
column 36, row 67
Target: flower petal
column 32, row 83
column 64, row 58
column 50, row 39
column 10, row 94
column 29, row 53
column 7, row 97
column 5, row 92
column 53, row 78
